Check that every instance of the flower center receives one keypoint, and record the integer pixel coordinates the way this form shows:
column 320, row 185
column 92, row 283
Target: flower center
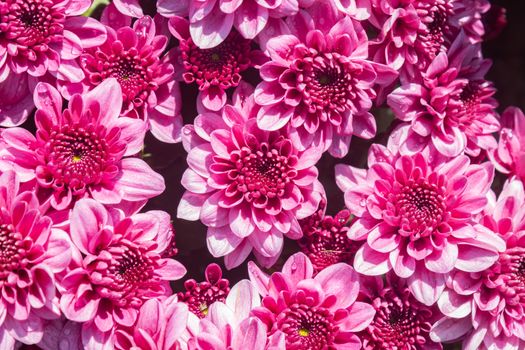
column 421, row 207
column 127, row 274
column 510, row 271
column 31, row 25
column 397, row 325
column 12, row 250
column 76, row 156
column 307, row 327
column 262, row 173
column 220, row 65
column 435, row 14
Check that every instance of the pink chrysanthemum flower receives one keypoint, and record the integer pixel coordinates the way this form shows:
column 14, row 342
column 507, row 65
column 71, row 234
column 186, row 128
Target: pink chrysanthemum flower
column 60, row 334
column 211, row 21
column 486, row 308
column 509, row 155
column 319, row 84
column 418, row 218
column 325, row 241
column 412, row 33
column 37, row 37
column 166, row 8
column 213, row 70
column 134, row 57
column 249, row 186
column 84, row 150
column 199, row 296
column 160, row 326
column 452, row 108
column 318, row 312
column 31, row 253
column 400, row 321
column 229, row 325
column 122, row 267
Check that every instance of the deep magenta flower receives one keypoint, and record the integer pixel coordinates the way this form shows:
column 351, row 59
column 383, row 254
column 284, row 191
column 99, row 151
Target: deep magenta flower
column 82, row 151
column 413, row 32
column 509, row 155
column 400, row 321
column 216, row 69
column 199, row 296
column 134, row 57
column 229, row 324
column 160, row 326
column 486, row 308
column 417, row 218
column 318, row 312
column 319, row 84
column 121, row 268
column 451, row 109
column 211, row 21
column 325, row 241
column 37, row 37
column 31, row 254
column 249, row 186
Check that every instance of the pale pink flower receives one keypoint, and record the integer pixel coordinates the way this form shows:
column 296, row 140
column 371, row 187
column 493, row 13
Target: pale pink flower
column 318, row 312
column 509, row 155
column 160, row 326
column 319, row 85
column 417, row 218
column 134, row 57
column 199, row 296
column 38, row 37
column 216, row 69
column 249, row 186
column 32, row 253
column 229, row 325
column 486, row 308
column 82, row 151
column 400, row 321
column 451, row 109
column 212, row 20
column 61, row 334
column 122, row 268
column 413, row 32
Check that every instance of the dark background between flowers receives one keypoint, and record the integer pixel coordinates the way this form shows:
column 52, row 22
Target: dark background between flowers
column 507, row 51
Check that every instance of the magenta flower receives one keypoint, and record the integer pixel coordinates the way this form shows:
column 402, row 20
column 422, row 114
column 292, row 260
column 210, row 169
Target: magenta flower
column 319, row 85
column 312, row 313
column 31, row 254
column 412, row 33
column 486, row 308
column 229, row 325
column 418, row 218
column 39, row 37
column 160, row 326
column 199, row 296
column 213, row 70
column 166, row 8
column 121, row 268
column 249, row 186
column 325, row 241
column 84, row 150
column 509, row 155
column 451, row 109
column 400, row 321
column 133, row 56
column 211, row 21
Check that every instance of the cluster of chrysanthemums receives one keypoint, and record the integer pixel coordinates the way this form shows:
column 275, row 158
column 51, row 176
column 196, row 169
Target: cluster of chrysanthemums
column 424, row 254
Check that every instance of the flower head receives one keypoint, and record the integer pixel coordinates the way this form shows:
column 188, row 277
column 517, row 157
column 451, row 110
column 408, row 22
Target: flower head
column 84, row 150
column 199, row 296
column 320, row 86
column 318, row 312
column 249, row 186
column 325, row 239
column 452, row 108
column 31, row 254
column 122, row 268
column 418, row 218
column 486, row 308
